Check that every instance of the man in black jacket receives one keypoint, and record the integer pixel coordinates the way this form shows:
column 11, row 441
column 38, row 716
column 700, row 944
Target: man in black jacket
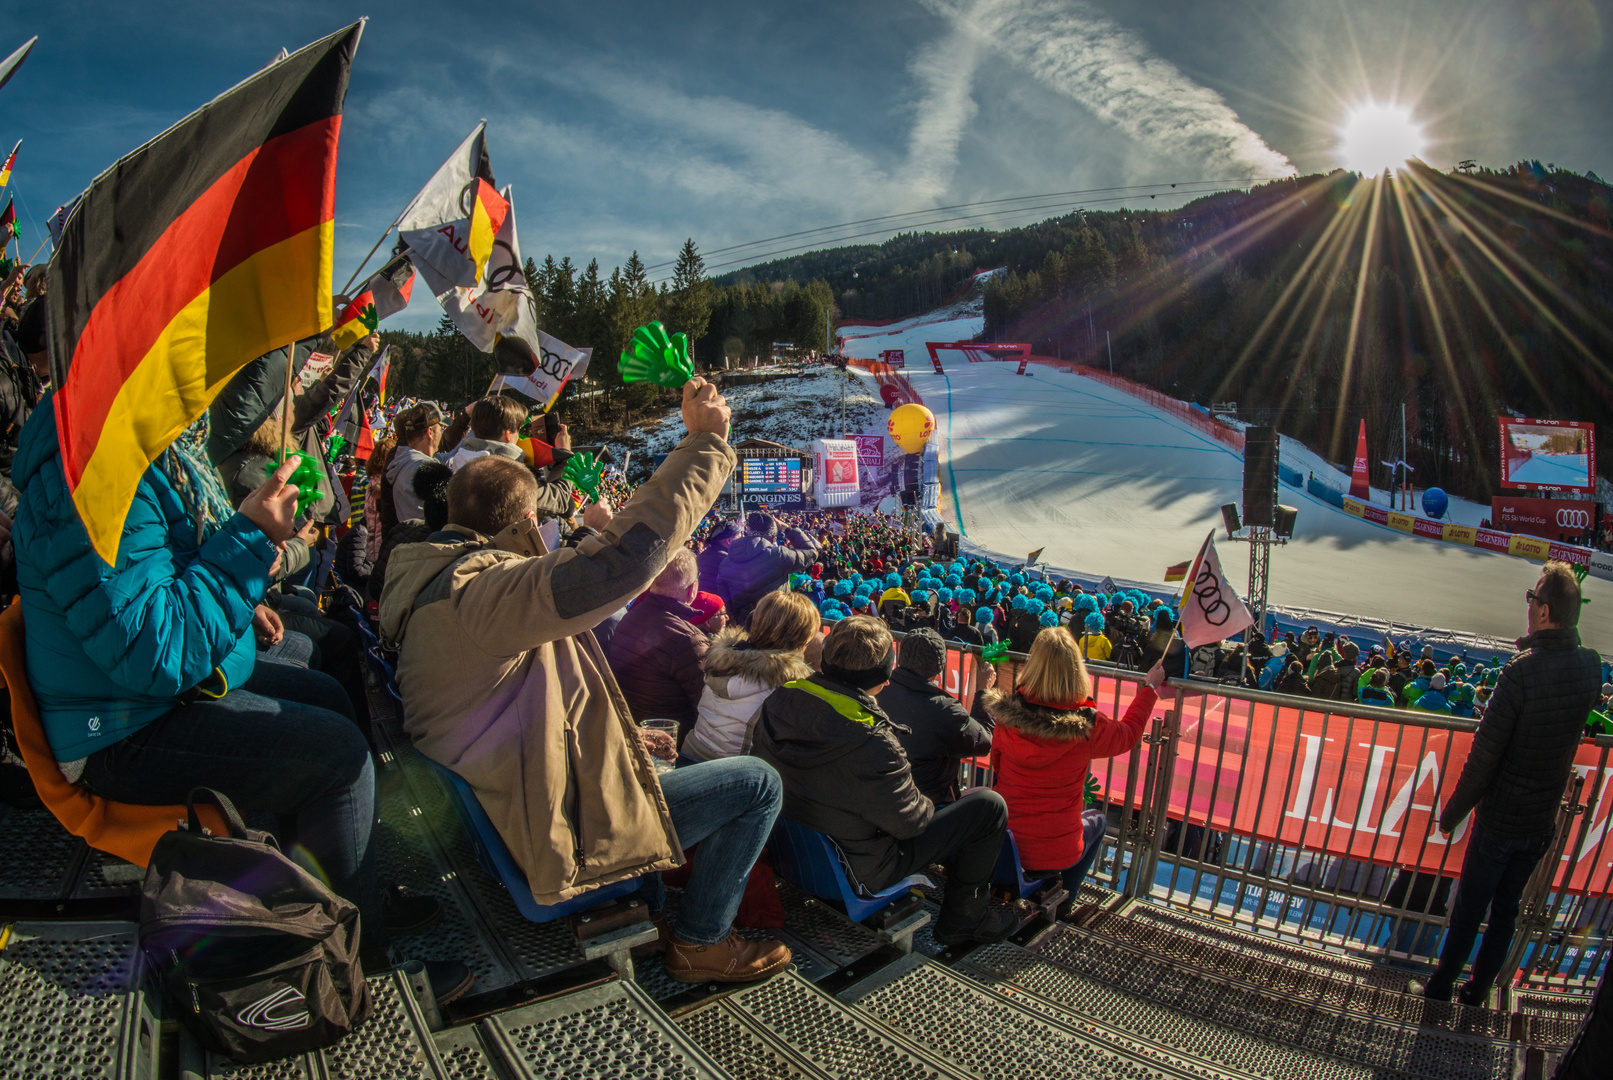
column 757, row 564
column 1515, row 775
column 845, row 775
column 934, row 730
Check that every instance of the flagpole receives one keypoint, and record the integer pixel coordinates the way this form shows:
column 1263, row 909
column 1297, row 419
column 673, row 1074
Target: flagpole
column 37, row 250
column 367, row 258
column 285, row 408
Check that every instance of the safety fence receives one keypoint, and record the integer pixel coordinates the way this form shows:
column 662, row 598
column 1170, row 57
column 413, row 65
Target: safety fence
column 1181, row 410
column 1316, row 822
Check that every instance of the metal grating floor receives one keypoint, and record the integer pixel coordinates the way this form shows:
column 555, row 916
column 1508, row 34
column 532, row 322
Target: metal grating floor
column 1305, row 987
column 805, row 1023
column 997, row 1037
column 1291, row 1021
column 50, row 856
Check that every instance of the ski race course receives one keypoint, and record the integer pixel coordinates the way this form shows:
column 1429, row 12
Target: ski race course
column 1112, row 486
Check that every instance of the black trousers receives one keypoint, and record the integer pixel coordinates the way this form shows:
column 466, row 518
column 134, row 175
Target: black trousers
column 966, row 837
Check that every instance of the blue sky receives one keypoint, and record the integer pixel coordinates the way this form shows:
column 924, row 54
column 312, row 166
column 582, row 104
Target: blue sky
column 631, row 125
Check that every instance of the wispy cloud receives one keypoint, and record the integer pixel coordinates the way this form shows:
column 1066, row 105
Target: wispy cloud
column 1111, row 71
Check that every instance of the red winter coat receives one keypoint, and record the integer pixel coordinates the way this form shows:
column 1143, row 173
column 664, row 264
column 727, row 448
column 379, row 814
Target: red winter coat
column 1041, row 756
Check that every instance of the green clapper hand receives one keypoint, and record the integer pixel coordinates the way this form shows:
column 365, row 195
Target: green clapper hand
column 995, row 654
column 334, row 446
column 585, row 473
column 653, row 357
column 369, row 318
column 308, row 477
column 1094, row 794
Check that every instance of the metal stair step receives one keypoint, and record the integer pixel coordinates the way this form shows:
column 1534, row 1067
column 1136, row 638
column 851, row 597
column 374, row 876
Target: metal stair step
column 786, row 1027
column 1287, row 983
column 1154, row 1004
column 1006, row 1036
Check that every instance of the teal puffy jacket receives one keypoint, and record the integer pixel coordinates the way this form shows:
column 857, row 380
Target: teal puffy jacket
column 112, row 648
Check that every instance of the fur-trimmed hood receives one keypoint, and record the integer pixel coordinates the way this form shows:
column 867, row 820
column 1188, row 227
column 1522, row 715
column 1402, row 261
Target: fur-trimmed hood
column 732, row 656
column 1056, row 725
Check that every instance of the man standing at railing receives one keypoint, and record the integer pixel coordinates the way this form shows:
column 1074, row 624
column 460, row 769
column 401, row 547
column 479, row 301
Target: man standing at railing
column 1514, row 777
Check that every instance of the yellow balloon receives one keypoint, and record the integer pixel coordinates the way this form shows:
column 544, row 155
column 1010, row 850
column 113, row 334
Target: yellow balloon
column 911, row 425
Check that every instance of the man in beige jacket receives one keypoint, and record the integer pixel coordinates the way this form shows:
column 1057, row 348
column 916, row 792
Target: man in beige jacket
column 503, row 683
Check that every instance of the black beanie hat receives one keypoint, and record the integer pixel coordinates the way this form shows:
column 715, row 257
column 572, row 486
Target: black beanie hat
column 761, row 523
column 923, row 653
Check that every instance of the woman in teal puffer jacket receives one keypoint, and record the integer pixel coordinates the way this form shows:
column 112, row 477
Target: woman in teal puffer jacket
column 146, row 672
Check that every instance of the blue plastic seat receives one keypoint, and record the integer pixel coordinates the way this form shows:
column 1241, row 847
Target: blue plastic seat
column 1010, row 872
column 496, row 859
column 811, row 861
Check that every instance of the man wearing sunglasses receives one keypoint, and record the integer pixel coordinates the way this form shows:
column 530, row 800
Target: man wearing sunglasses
column 1514, row 779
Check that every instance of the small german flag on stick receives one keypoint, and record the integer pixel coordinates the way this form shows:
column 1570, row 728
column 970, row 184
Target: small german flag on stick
column 356, row 322
column 1178, row 572
column 203, row 249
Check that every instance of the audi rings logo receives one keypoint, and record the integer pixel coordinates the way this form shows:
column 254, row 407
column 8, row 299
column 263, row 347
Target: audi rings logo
column 1573, row 519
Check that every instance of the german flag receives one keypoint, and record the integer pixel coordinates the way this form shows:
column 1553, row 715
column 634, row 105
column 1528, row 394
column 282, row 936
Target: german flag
column 486, row 218
column 1178, row 572
column 11, row 162
column 203, row 249
column 356, row 321
column 8, row 224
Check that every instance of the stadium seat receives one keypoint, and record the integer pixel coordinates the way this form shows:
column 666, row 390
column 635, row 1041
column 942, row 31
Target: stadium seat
column 1010, row 872
column 497, row 860
column 811, row 861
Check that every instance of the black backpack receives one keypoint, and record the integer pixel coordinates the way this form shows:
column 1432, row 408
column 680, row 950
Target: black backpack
column 257, row 958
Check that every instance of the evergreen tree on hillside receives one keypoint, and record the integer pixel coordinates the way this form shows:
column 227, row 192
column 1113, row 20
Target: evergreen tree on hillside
column 690, row 299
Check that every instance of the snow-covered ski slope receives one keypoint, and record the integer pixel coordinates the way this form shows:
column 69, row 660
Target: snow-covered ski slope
column 1111, row 486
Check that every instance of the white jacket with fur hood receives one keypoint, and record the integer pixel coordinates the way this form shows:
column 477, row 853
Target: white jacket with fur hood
column 738, row 679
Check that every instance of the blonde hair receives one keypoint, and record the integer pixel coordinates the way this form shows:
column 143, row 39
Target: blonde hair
column 857, row 643
column 678, row 576
column 1055, row 674
column 783, row 620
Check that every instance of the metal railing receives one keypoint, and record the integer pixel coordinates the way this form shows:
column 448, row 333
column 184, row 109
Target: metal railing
column 1315, row 822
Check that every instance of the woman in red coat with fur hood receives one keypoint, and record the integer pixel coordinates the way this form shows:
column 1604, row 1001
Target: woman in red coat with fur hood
column 1048, row 731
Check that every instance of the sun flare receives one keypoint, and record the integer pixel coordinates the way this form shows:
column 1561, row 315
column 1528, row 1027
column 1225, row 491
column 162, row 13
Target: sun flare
column 1376, row 138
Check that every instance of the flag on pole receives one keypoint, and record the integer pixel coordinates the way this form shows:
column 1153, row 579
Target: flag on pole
column 451, row 224
column 9, row 66
column 1030, row 560
column 8, row 224
column 191, row 256
column 1177, row 572
column 502, row 318
column 356, row 322
column 1211, row 610
column 391, row 286
column 11, row 161
column 380, row 376
column 353, row 421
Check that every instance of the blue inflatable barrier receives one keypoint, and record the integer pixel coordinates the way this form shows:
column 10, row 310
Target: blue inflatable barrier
column 1291, row 477
column 1325, row 493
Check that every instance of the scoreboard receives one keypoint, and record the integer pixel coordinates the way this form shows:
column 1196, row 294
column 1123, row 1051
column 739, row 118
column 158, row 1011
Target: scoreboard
column 771, row 474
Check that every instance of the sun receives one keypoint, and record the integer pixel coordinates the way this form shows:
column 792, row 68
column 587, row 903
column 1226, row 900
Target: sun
column 1376, row 138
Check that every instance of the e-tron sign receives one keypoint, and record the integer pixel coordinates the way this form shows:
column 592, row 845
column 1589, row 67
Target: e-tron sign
column 1563, row 520
column 1548, row 455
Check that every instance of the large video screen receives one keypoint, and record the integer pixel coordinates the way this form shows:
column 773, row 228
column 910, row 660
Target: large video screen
column 1548, row 455
column 771, row 474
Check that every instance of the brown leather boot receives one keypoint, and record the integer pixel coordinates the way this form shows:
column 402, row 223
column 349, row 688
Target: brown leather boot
column 736, row 960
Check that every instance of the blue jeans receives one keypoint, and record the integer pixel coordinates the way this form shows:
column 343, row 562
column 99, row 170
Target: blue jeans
column 1093, row 823
column 284, row 744
column 292, row 648
column 1494, row 873
column 727, row 807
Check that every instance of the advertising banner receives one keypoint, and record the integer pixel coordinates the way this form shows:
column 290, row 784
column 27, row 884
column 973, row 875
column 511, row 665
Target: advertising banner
column 1375, row 513
column 1490, row 540
column 1459, row 534
column 1570, row 554
column 1431, row 529
column 1563, row 520
column 1548, row 455
column 896, row 358
column 1529, row 547
column 870, row 450
column 1400, row 521
column 834, row 476
column 1354, row 508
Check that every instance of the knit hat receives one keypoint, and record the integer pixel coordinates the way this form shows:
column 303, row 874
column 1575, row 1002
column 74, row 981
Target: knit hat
column 761, row 523
column 707, row 603
column 1437, row 682
column 923, row 653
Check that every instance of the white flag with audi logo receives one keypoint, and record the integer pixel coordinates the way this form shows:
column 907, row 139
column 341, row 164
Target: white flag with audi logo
column 1211, row 610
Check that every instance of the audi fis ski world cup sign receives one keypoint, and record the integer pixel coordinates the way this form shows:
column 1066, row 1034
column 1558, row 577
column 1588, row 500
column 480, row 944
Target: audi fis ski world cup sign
column 1563, row 520
column 896, row 358
column 1548, row 455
